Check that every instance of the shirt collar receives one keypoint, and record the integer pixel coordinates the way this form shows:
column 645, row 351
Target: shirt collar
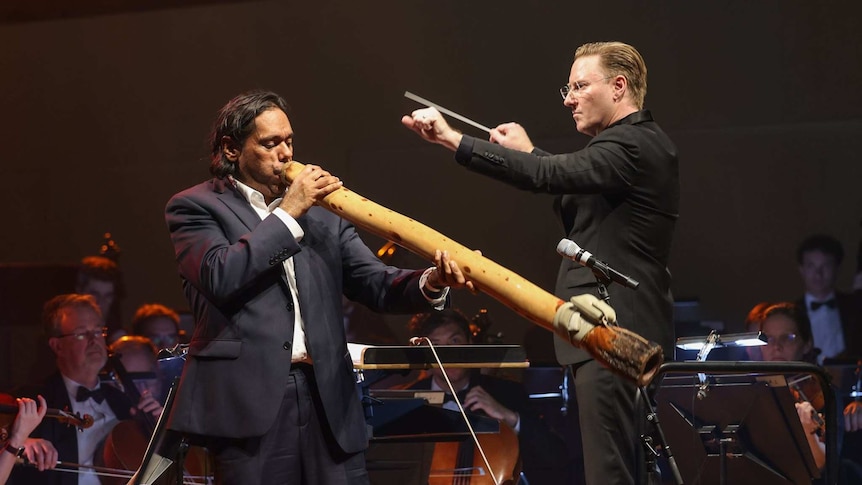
column 72, row 385
column 254, row 197
column 633, row 118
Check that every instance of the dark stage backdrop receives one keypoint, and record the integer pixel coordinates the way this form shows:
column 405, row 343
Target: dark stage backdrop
column 105, row 116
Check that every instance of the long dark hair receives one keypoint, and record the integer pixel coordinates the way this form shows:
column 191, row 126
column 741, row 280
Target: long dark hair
column 236, row 121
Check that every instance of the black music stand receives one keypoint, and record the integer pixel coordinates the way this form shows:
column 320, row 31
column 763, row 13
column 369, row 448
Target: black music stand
column 745, row 429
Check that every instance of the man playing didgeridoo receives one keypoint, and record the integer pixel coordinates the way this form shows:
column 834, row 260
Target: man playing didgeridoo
column 617, row 197
column 268, row 385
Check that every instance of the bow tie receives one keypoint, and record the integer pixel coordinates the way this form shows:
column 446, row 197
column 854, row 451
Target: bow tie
column 461, row 396
column 817, row 304
column 83, row 394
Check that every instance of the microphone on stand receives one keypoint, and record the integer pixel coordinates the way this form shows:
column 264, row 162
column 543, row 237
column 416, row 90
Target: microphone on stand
column 569, row 249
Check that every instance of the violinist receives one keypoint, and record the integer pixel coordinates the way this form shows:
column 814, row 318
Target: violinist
column 542, row 452
column 788, row 337
column 76, row 335
column 30, row 414
column 752, row 324
column 788, row 334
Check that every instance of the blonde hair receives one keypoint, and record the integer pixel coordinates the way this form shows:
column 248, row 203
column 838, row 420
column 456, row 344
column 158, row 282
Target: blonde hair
column 620, row 59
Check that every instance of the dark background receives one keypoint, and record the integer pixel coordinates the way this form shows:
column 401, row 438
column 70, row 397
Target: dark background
column 105, row 112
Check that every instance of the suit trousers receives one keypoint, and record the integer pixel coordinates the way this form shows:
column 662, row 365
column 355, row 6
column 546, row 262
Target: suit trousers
column 298, row 449
column 611, row 422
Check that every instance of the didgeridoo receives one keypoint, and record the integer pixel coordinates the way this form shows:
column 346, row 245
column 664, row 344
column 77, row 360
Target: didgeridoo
column 619, row 349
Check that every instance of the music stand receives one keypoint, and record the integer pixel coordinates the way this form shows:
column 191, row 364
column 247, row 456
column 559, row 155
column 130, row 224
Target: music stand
column 745, row 429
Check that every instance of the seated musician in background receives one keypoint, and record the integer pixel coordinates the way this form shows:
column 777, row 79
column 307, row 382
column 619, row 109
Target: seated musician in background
column 501, row 399
column 76, row 334
column 139, row 358
column 752, row 324
column 835, row 316
column 158, row 323
column 100, row 277
column 30, row 414
column 789, row 339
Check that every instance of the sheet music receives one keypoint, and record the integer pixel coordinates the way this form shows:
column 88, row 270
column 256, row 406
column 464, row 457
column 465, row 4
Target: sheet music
column 356, row 351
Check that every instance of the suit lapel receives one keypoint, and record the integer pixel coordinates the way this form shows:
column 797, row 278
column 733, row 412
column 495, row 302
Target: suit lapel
column 229, row 196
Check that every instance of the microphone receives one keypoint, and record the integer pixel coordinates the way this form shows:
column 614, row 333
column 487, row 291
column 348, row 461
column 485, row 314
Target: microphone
column 569, row 249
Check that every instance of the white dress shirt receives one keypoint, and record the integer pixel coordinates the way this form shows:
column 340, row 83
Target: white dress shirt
column 89, row 439
column 826, row 328
column 300, row 353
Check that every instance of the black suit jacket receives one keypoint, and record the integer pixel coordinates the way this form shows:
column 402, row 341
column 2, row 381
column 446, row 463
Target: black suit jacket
column 619, row 199
column 63, row 437
column 230, row 263
column 850, row 311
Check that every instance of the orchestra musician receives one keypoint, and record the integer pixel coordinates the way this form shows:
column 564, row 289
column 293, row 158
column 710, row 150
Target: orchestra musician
column 789, row 339
column 618, row 197
column 76, row 334
column 543, row 453
column 264, row 270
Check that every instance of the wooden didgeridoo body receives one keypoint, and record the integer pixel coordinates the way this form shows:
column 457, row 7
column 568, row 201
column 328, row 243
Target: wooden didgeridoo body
column 619, row 349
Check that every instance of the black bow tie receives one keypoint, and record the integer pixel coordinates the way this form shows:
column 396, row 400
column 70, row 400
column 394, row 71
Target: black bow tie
column 83, row 394
column 461, row 396
column 817, row 304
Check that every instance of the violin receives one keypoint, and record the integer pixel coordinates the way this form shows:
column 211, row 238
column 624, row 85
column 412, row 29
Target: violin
column 806, row 389
column 9, row 410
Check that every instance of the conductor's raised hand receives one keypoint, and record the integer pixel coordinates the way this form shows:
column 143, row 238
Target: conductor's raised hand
column 512, row 135
column 309, row 187
column 431, row 126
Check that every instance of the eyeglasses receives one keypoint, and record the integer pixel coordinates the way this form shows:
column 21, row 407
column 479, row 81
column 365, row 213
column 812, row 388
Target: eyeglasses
column 785, row 339
column 566, row 89
column 163, row 341
column 87, row 334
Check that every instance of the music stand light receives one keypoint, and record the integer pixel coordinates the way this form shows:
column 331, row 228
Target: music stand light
column 747, row 339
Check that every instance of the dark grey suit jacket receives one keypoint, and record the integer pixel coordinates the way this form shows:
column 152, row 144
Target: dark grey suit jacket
column 230, row 263
column 619, row 199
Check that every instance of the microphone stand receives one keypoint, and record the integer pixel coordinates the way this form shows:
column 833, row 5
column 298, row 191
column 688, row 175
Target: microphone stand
column 603, row 279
